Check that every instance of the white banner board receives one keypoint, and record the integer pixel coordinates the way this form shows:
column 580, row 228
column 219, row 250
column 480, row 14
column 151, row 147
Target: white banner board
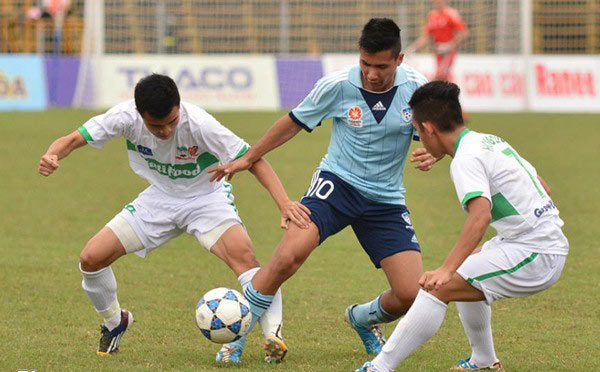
column 564, row 83
column 511, row 82
column 219, row 82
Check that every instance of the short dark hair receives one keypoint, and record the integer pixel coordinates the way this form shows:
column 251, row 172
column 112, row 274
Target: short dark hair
column 156, row 95
column 437, row 102
column 380, row 34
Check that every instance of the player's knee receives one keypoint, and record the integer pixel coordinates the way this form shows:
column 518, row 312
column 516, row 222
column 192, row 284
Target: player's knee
column 89, row 260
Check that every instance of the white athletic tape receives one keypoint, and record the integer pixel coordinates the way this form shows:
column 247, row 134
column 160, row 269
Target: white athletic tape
column 209, row 238
column 125, row 234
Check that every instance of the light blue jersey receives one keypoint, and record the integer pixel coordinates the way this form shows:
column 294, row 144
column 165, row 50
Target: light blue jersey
column 371, row 131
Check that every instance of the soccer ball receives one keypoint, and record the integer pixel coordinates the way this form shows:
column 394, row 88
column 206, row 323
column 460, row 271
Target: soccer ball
column 223, row 315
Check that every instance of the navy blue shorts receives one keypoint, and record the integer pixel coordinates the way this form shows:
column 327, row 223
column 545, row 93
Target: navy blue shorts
column 382, row 229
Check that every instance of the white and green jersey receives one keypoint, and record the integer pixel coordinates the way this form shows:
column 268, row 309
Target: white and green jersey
column 178, row 165
column 486, row 165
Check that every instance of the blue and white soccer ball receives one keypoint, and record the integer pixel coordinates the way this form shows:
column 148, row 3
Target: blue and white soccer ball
column 223, row 315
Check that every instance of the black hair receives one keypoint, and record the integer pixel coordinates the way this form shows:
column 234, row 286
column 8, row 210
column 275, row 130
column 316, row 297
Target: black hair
column 156, row 95
column 437, row 102
column 380, row 34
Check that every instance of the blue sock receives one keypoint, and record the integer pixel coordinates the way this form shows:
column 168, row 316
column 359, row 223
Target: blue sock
column 372, row 313
column 259, row 303
column 239, row 343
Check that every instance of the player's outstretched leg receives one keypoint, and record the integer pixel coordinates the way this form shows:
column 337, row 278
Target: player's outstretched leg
column 100, row 285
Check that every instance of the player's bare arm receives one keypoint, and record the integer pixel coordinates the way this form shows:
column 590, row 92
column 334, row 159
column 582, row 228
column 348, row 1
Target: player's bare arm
column 290, row 210
column 479, row 217
column 423, row 159
column 58, row 150
column 281, row 132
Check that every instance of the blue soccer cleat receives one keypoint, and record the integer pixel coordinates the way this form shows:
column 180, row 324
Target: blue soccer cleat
column 466, row 365
column 110, row 340
column 372, row 338
column 367, row 367
column 230, row 353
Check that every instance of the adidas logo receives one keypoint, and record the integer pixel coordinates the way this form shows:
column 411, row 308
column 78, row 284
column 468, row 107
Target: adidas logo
column 379, row 107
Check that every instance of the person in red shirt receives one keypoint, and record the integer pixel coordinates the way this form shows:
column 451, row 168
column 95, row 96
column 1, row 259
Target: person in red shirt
column 447, row 30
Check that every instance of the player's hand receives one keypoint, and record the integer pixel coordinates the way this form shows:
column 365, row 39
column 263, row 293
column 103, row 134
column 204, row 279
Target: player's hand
column 431, row 280
column 424, row 160
column 295, row 212
column 228, row 170
column 48, row 164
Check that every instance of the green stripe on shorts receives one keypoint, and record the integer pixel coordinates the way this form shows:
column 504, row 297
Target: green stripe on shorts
column 502, row 272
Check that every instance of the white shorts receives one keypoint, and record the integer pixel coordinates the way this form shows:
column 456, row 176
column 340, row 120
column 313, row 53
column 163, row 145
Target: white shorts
column 504, row 270
column 157, row 217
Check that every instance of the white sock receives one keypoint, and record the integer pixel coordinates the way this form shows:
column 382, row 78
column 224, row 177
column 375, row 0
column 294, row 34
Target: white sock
column 476, row 318
column 101, row 288
column 272, row 320
column 420, row 323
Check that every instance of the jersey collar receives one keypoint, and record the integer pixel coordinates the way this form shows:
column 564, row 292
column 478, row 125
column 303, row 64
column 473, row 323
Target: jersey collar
column 354, row 76
column 459, row 138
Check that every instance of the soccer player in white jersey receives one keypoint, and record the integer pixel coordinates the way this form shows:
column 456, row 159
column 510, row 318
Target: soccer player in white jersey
column 359, row 182
column 496, row 186
column 170, row 144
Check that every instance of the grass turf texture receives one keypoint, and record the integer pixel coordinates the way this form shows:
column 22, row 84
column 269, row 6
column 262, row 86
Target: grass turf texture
column 48, row 324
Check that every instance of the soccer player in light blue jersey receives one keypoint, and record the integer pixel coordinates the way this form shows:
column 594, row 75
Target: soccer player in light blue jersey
column 359, row 181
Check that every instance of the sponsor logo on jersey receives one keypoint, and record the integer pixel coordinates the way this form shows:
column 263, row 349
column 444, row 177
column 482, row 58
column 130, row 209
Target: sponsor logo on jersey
column 378, row 107
column 407, row 114
column 186, row 170
column 355, row 115
column 185, row 153
column 538, row 212
column 144, row 150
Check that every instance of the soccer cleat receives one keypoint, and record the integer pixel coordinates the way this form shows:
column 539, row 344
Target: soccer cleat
column 372, row 338
column 367, row 367
column 109, row 342
column 275, row 349
column 466, row 365
column 230, row 354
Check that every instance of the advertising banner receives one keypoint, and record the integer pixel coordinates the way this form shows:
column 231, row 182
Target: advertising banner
column 219, row 82
column 564, row 83
column 22, row 83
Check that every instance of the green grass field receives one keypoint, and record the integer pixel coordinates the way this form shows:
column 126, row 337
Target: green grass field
column 48, row 324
